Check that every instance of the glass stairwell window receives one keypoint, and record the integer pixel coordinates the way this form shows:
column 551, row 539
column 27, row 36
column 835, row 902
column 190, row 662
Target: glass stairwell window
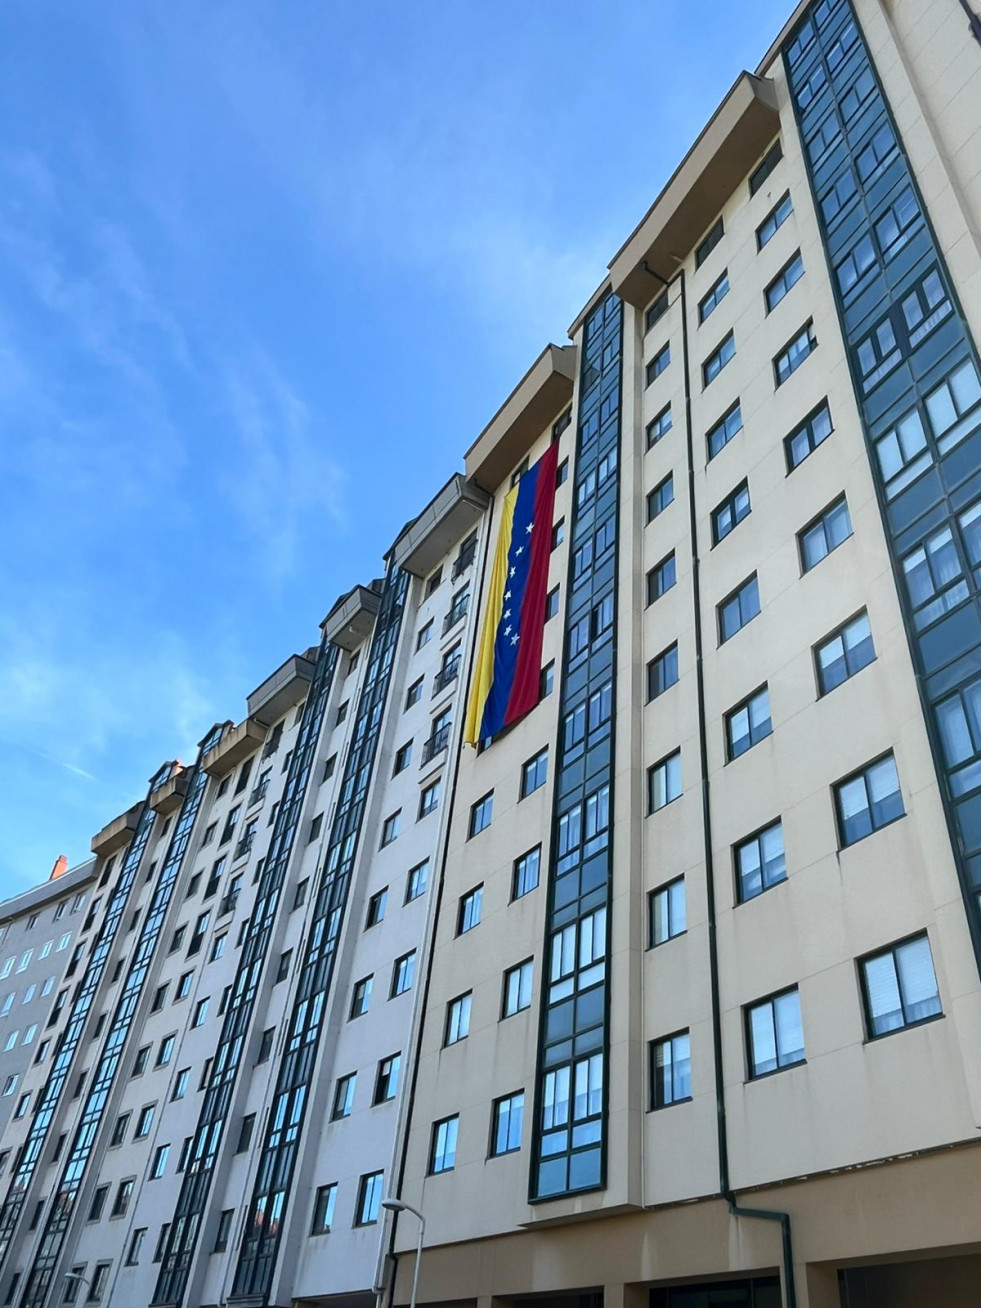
column 934, row 578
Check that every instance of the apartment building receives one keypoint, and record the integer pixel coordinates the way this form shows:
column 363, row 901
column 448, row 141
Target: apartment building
column 669, row 991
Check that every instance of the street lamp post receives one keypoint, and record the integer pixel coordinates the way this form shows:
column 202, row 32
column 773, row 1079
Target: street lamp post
column 397, row 1206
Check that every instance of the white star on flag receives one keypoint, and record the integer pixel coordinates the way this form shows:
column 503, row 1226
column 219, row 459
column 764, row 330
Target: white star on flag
column 507, row 594
column 514, row 640
column 511, row 573
column 519, row 550
column 530, row 528
column 507, row 613
column 507, row 631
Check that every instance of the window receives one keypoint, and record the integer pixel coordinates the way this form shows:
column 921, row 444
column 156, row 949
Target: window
column 229, row 826
column 562, row 473
column 660, row 497
column 329, row 765
column 825, row 534
column 323, row 1209
column 135, row 1246
column 717, row 360
column 224, row 1231
column 516, row 993
column 142, row 1058
column 506, row 1119
column 344, row 1096
column 414, row 694
column 774, row 220
column 760, row 862
column 662, row 671
column 387, row 1079
column 868, row 800
column 468, row 915
column 714, row 296
column 315, row 827
column 656, row 311
column 659, row 426
column 22, row 1105
column 184, row 985
column 144, row 1122
column 803, row 440
column 71, row 1286
column 794, row 353
column 425, row 634
column 200, row 1012
column 765, row 167
column 442, row 1155
column 416, row 881
column 843, row 653
column 899, row 987
column 300, row 897
column 457, row 1019
column 558, row 533
column 159, row 1162
column 403, row 971
column 206, row 1073
column 788, row 277
column 159, row 995
column 158, row 1253
column 165, row 1051
column 661, row 578
column 123, row 1195
column 546, row 682
column 670, row 1070
column 708, row 242
column 119, row 1130
column 429, row 797
column 526, row 872
column 658, row 364
column 218, row 947
column 369, row 1199
column 925, row 307
column 534, row 773
column 360, row 997
column 245, row 1133
column 959, row 717
column 666, row 909
column 748, row 724
column 282, row 972
column 403, row 756
column 98, row 1202
column 664, row 782
column 728, row 426
column 480, row 815
column 390, row 828
column 775, row 1035
column 376, row 908
column 934, row 578
column 727, row 515
column 552, row 603
column 266, row 1044
column 342, row 712
column 97, row 1286
column 209, row 834
column 739, row 608
column 180, row 1083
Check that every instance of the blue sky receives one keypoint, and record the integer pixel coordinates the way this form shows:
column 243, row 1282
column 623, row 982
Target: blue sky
column 266, row 269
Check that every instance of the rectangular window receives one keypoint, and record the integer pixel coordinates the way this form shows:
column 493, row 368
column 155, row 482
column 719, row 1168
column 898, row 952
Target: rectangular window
column 429, row 797
column 805, row 439
column 119, row 1130
column 558, row 533
column 165, row 1051
column 526, row 872
column 868, row 800
column 788, row 277
column 180, row 1083
column 403, row 971
column 664, row 782
column 666, row 912
column 794, row 353
column 899, row 986
column 934, row 578
column 425, row 634
column 727, row 515
column 369, row 1199
column 516, row 993
column 245, row 1133
column 708, row 242
column 457, row 1019
column 100, row 1279
column 390, row 828
column 546, row 682
column 774, row 1033
column 266, row 1045
column 468, row 915
column 760, row 862
column 135, row 1246
column 658, row 364
column 662, row 672
column 774, row 220
column 387, row 1079
column 660, row 497
column 656, row 311
column 361, row 997
column 714, row 296
column 158, row 1253
column 843, row 653
column 200, row 1012
column 739, row 608
column 442, row 1153
column 224, row 1230
column 144, row 1122
column 748, row 723
column 670, row 1070
column 659, row 426
column 534, row 773
column 506, row 1120
column 552, row 603
column 323, row 1209
column 717, row 360
column 403, row 757
column 765, row 167
column 159, row 1165
column 416, row 881
column 728, row 426
column 824, row 534
column 480, row 815
column 344, row 1096
column 98, row 1202
column 661, row 578
column 124, row 1193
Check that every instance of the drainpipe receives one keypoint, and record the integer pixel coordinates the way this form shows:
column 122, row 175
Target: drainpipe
column 725, row 1189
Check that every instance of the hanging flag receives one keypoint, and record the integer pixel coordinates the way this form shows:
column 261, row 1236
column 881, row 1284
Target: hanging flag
column 506, row 684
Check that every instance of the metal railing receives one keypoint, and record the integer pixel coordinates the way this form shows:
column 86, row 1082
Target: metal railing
column 456, row 613
column 436, row 743
column 446, row 675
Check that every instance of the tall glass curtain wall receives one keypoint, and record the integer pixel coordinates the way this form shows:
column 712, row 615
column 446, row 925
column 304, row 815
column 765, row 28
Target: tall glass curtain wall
column 915, row 371
column 185, row 1226
column 47, row 1104
column 569, row 1138
column 265, row 1220
column 62, row 1204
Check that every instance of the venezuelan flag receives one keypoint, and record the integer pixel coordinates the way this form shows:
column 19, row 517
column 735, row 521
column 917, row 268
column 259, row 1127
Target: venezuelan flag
column 506, row 684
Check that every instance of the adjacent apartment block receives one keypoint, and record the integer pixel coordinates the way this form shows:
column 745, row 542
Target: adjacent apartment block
column 668, row 993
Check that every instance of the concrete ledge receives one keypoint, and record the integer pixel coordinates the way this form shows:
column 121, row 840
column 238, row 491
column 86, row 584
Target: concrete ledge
column 287, row 686
column 117, row 833
column 446, row 519
column 351, row 620
column 235, row 745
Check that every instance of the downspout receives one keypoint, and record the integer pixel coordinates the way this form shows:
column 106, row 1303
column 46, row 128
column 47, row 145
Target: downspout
column 725, row 1189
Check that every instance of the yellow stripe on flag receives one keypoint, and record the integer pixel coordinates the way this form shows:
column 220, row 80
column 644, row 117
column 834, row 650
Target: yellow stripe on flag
column 484, row 672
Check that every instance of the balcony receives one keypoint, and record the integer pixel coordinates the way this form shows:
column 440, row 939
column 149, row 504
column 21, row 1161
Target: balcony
column 351, row 621
column 243, row 847
column 236, row 744
column 464, row 560
column 436, row 743
column 117, row 833
column 168, row 797
column 258, row 793
column 448, row 517
column 457, row 613
column 446, row 676
column 227, row 904
column 287, row 687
